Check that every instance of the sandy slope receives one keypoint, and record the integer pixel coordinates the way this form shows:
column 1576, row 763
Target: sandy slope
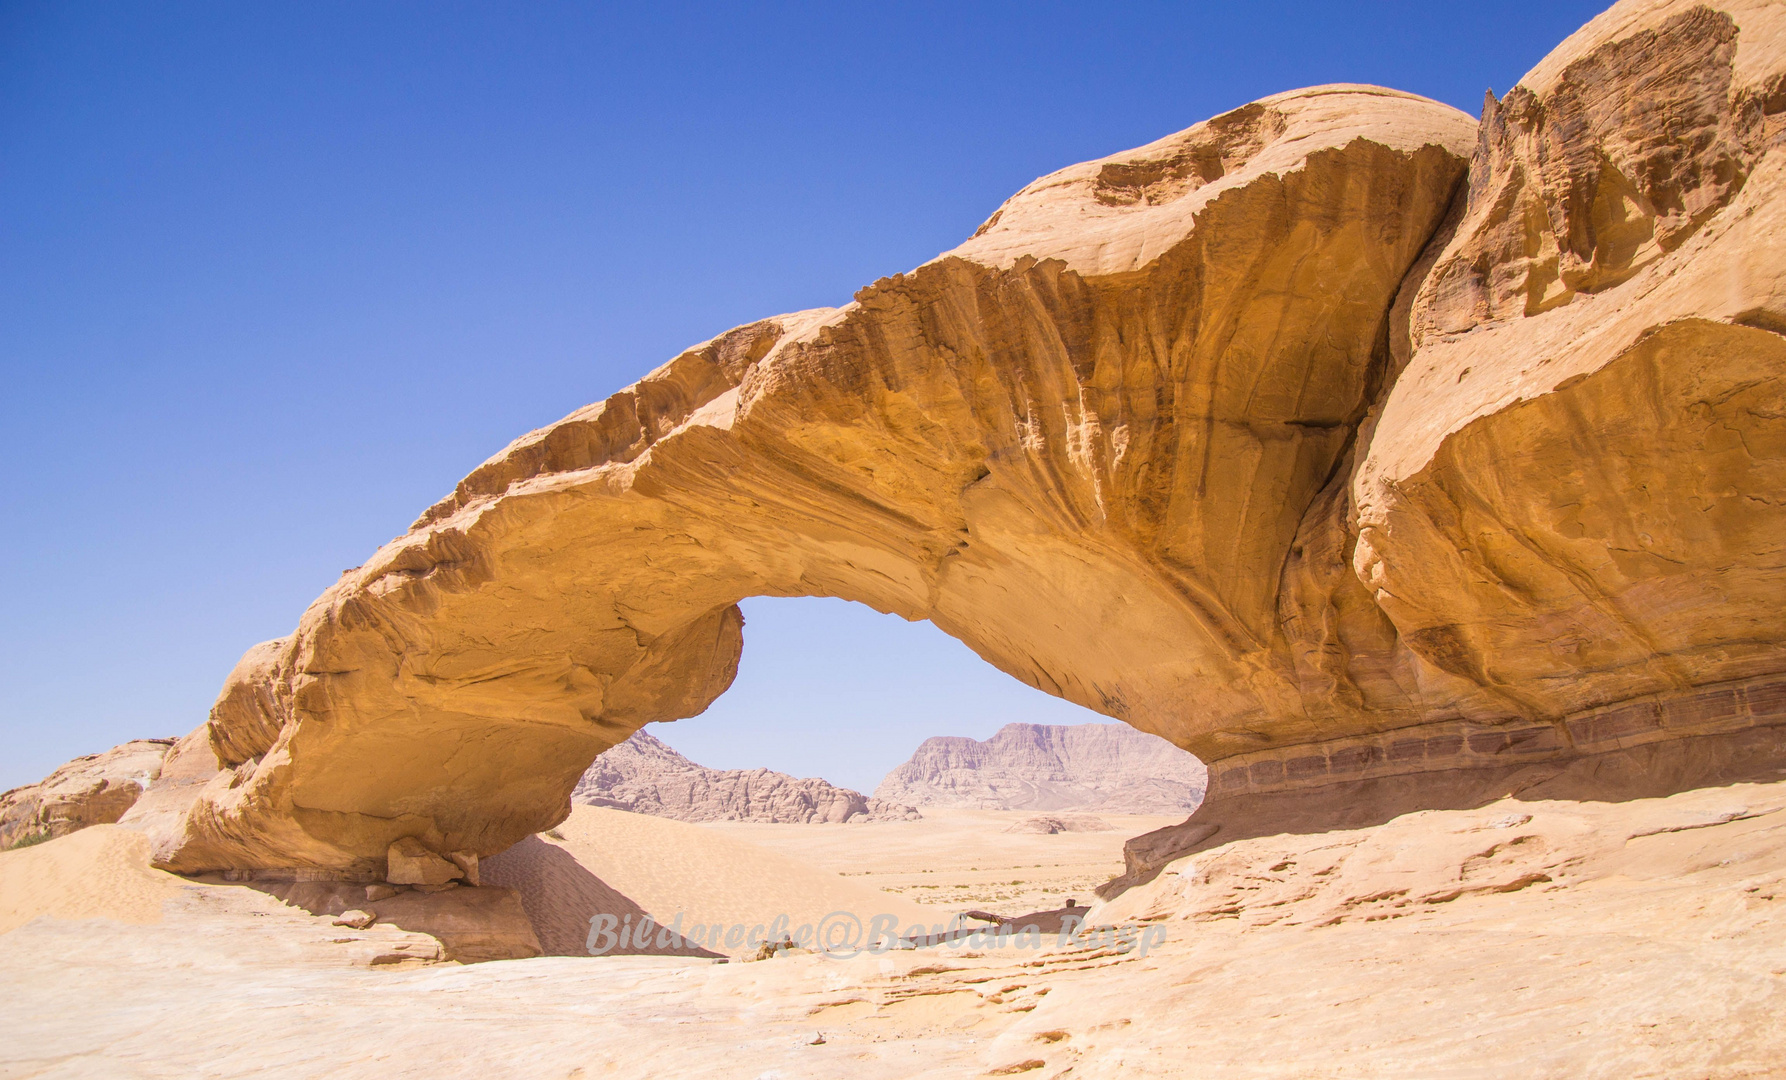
column 101, row 872
column 603, row 860
column 1581, row 940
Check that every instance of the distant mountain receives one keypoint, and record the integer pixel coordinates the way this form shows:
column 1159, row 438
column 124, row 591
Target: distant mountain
column 647, row 777
column 1107, row 767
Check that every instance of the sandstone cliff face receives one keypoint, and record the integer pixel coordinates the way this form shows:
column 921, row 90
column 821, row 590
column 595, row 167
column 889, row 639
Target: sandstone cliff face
column 1566, row 500
column 646, row 777
column 93, row 790
column 1336, row 438
column 1106, row 767
column 1564, row 513
column 1576, row 469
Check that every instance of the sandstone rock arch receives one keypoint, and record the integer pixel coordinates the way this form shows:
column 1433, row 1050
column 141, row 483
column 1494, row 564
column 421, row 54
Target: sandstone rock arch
column 1082, row 443
column 1244, row 437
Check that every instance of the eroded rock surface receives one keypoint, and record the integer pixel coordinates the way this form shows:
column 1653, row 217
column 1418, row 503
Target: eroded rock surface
column 1569, row 496
column 1107, row 767
column 1339, row 440
column 1053, row 824
column 93, row 790
column 647, row 777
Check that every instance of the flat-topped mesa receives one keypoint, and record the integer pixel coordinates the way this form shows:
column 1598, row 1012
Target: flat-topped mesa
column 1104, row 768
column 1199, row 436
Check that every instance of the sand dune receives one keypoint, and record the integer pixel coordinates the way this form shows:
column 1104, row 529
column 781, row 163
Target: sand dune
column 101, row 872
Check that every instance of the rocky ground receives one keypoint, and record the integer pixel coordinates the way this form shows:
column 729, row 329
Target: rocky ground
column 1638, row 939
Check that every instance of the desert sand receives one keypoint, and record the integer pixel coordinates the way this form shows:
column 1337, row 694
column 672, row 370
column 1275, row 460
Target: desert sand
column 962, row 859
column 1617, row 940
column 611, row 860
column 101, row 872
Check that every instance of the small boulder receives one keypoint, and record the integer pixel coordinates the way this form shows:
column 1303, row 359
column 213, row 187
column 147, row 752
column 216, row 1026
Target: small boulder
column 356, row 919
column 375, row 892
column 467, row 862
column 408, row 862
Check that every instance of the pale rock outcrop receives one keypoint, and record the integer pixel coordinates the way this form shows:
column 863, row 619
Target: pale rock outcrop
column 407, row 862
column 469, row 925
column 1107, row 767
column 93, row 790
column 1564, row 515
column 647, row 777
column 1378, row 457
column 1569, row 494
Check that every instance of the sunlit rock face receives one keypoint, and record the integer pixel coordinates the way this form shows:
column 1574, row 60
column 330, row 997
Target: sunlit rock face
column 1566, row 509
column 1336, row 437
column 93, row 790
column 1572, row 496
column 1082, row 442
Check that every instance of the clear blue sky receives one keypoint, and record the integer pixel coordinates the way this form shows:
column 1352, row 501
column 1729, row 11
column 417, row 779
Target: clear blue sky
column 273, row 277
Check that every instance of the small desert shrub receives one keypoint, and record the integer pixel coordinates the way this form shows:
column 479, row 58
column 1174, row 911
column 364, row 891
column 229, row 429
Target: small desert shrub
column 26, row 841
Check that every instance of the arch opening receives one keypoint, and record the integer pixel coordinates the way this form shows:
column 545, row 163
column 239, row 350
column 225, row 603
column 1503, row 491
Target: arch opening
column 836, row 690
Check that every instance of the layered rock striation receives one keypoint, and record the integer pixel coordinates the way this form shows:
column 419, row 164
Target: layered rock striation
column 1563, row 502
column 1340, row 439
column 1566, row 504
column 647, row 777
column 1096, row 767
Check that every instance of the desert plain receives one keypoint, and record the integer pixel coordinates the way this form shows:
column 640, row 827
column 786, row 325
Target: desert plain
column 1640, row 939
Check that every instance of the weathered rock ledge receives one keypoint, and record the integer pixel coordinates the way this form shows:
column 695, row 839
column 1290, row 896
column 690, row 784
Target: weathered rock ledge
column 1644, row 748
column 1461, row 744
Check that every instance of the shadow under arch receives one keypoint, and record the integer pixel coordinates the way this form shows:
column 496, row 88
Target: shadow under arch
column 561, row 895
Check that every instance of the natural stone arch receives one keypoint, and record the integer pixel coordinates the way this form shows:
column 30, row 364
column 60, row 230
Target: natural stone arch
column 1376, row 490
column 1082, row 443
